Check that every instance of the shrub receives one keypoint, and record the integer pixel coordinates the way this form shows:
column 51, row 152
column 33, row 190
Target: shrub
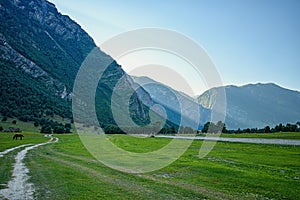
column 59, row 129
column 46, row 129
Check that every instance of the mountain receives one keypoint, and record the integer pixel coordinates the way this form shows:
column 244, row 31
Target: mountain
column 41, row 52
column 256, row 105
column 180, row 108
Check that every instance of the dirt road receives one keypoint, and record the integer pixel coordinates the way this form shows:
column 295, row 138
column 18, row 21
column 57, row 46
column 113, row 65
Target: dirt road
column 19, row 187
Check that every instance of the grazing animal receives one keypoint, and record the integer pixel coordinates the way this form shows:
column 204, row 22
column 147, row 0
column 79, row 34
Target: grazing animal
column 16, row 136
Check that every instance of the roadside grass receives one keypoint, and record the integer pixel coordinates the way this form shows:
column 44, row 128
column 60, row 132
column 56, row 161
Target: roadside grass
column 66, row 170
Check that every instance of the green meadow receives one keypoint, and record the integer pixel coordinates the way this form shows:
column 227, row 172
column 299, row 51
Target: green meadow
column 66, row 170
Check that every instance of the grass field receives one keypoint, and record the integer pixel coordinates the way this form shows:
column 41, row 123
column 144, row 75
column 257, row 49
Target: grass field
column 25, row 126
column 66, row 170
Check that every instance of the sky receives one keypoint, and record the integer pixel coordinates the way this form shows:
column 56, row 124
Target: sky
column 249, row 41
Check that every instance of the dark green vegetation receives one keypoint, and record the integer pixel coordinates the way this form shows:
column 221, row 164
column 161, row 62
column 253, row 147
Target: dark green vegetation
column 65, row 170
column 26, row 98
column 211, row 127
column 43, row 125
column 278, row 128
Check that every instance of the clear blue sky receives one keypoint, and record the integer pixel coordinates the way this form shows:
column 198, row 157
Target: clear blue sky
column 250, row 41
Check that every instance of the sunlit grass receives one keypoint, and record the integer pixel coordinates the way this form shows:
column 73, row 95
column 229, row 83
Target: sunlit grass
column 231, row 170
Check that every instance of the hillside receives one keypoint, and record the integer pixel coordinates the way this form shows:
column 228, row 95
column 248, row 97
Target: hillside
column 41, row 52
column 256, row 105
column 180, row 108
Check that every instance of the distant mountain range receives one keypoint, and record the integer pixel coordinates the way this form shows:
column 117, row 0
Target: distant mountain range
column 256, row 105
column 249, row 106
column 181, row 109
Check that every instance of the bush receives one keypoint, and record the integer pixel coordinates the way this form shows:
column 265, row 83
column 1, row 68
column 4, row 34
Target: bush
column 113, row 129
column 59, row 129
column 68, row 126
column 67, row 130
column 46, row 129
column 36, row 124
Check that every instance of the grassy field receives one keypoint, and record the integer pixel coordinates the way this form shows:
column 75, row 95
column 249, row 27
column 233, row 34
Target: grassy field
column 66, row 170
column 25, row 126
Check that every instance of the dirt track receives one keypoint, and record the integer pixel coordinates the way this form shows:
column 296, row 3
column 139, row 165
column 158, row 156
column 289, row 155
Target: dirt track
column 18, row 187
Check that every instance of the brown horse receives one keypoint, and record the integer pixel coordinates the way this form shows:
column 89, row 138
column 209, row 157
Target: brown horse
column 16, row 136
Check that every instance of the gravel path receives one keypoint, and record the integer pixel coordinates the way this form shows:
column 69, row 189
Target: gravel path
column 241, row 140
column 18, row 186
column 12, row 149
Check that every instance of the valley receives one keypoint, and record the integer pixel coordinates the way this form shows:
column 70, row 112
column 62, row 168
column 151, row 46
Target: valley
column 57, row 86
column 66, row 170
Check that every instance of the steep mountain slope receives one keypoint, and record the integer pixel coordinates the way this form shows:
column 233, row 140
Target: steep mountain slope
column 256, row 105
column 41, row 52
column 180, row 108
column 51, row 41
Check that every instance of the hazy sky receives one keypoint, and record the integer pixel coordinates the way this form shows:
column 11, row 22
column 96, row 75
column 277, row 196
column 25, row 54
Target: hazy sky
column 250, row 41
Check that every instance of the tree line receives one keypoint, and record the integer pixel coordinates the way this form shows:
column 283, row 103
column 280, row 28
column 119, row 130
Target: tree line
column 211, row 127
column 48, row 126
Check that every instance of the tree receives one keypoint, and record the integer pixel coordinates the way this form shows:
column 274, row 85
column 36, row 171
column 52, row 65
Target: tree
column 205, row 127
column 298, row 124
column 113, row 129
column 267, row 129
column 67, row 130
column 36, row 124
column 68, row 125
column 46, row 129
column 59, row 129
column 280, row 127
column 224, row 129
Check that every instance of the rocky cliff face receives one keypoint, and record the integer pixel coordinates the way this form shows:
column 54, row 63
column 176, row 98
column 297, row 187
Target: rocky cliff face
column 30, row 68
column 49, row 41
